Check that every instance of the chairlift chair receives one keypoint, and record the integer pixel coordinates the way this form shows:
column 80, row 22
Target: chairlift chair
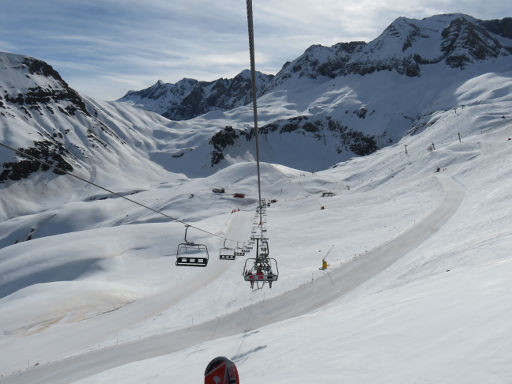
column 239, row 251
column 259, row 237
column 259, row 272
column 190, row 254
column 263, row 249
column 261, row 269
column 226, row 253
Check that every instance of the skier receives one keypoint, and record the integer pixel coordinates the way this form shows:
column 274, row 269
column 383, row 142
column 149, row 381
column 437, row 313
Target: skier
column 251, row 278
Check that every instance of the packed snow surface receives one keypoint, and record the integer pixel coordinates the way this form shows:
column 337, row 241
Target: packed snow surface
column 418, row 289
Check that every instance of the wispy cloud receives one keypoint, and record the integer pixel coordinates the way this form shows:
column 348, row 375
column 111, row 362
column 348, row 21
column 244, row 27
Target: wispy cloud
column 106, row 47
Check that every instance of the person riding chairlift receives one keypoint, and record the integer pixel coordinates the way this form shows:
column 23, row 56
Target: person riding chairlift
column 259, row 273
column 251, row 278
column 270, row 276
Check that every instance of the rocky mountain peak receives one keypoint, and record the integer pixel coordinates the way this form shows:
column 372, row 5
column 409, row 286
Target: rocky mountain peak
column 30, row 84
column 465, row 41
column 405, row 46
column 189, row 98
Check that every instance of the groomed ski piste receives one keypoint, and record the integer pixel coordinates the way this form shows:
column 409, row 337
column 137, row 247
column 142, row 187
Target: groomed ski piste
column 418, row 289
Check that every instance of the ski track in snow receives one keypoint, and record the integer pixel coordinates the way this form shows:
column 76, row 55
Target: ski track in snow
column 300, row 301
column 99, row 328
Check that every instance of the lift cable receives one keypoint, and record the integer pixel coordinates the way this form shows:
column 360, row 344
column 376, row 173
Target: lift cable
column 63, row 171
column 250, row 26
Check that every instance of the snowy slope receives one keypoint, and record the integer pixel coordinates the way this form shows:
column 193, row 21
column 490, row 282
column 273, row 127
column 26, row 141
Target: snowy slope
column 41, row 114
column 98, row 276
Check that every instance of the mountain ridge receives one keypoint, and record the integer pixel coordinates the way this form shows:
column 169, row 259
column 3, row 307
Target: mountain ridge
column 189, row 98
column 405, row 46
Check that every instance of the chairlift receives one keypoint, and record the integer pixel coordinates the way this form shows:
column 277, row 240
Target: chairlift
column 259, row 237
column 226, row 253
column 261, row 273
column 190, row 254
column 263, row 249
column 239, row 251
column 261, row 270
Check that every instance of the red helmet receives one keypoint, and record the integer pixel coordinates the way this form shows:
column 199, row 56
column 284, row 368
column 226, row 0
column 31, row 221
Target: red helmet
column 221, row 370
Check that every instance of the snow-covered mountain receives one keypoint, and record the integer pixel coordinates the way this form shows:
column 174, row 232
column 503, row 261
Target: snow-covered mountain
column 332, row 103
column 408, row 47
column 43, row 116
column 189, row 98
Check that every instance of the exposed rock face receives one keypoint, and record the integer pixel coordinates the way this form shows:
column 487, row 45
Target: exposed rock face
column 465, row 41
column 501, row 27
column 318, row 129
column 189, row 98
column 46, row 151
column 220, row 141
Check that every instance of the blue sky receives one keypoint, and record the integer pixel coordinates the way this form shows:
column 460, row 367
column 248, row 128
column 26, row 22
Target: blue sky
column 105, row 48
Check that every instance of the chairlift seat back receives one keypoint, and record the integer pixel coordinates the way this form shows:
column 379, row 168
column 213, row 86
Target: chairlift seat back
column 263, row 277
column 227, row 254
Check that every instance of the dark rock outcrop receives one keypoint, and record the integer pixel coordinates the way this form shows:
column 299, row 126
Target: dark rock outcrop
column 49, row 152
column 319, row 129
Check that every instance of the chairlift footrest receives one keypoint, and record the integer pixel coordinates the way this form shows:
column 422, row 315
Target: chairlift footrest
column 182, row 261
